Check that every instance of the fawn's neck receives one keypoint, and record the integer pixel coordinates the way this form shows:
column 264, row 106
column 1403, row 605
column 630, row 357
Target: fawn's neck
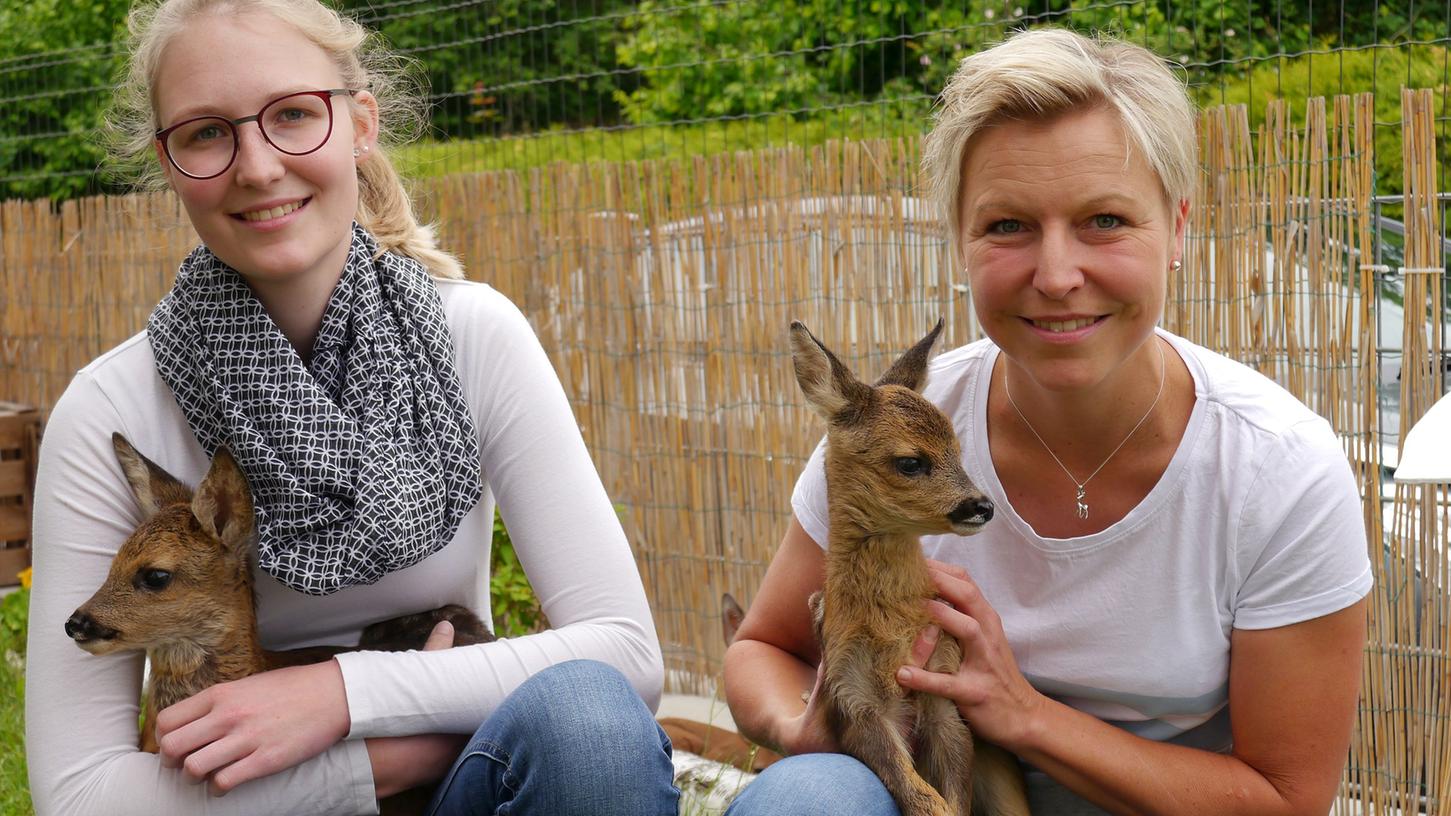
column 871, row 567
column 222, row 649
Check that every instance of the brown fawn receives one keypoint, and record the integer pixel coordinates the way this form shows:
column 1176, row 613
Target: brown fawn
column 893, row 474
column 180, row 588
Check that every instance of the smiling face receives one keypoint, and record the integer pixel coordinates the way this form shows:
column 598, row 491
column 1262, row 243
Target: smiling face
column 1067, row 240
column 275, row 218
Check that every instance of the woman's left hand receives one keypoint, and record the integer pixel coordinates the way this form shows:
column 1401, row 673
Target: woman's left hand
column 250, row 728
column 989, row 690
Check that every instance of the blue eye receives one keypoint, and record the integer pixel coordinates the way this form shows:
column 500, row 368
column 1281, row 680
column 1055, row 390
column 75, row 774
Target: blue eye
column 1007, row 226
column 1106, row 221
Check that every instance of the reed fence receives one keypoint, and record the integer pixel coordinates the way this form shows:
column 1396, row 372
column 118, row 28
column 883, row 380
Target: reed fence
column 662, row 291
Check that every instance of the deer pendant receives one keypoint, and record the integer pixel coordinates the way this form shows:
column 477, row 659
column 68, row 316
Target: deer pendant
column 1082, row 505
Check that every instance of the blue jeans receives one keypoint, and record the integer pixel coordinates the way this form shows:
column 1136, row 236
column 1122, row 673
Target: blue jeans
column 574, row 740
column 815, row 785
column 830, row 784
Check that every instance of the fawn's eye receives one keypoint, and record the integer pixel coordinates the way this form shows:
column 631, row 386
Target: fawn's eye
column 910, row 465
column 153, row 579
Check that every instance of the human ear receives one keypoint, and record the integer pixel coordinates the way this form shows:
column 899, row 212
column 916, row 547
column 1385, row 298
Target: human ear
column 364, row 109
column 1181, row 224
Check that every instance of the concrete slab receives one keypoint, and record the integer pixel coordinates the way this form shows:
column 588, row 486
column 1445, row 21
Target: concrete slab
column 708, row 710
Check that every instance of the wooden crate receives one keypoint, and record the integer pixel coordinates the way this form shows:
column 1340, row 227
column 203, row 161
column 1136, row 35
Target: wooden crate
column 19, row 447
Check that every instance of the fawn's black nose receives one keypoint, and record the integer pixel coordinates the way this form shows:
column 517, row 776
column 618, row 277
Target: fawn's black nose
column 81, row 627
column 972, row 511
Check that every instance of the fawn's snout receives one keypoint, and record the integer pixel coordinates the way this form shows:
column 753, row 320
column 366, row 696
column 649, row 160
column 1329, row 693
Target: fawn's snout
column 971, row 513
column 897, row 457
column 83, row 629
column 180, row 574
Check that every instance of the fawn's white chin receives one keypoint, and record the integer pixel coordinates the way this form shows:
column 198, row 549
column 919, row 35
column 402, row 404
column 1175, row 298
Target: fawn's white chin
column 968, row 528
column 98, row 647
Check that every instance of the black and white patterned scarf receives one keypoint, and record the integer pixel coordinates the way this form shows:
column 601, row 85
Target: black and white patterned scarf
column 361, row 464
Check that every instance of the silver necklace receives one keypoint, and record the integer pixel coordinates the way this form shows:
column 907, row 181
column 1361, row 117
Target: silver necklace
column 1082, row 500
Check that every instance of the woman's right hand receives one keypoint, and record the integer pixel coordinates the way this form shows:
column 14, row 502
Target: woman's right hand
column 246, row 729
column 400, row 763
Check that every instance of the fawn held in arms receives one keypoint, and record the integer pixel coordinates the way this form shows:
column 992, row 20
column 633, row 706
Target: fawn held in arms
column 894, row 473
column 180, row 588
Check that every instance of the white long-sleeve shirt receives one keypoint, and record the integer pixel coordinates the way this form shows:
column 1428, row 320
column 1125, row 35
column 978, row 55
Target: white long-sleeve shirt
column 81, row 710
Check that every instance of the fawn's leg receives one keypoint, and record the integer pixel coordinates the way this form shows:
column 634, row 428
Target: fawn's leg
column 816, row 604
column 871, row 719
column 998, row 788
column 944, row 743
column 993, row 783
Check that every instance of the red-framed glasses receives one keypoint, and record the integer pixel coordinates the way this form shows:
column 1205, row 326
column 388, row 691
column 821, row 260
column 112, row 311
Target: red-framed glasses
column 297, row 124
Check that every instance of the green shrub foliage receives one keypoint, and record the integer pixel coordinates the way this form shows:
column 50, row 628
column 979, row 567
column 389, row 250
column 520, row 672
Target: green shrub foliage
column 513, row 67
column 516, row 609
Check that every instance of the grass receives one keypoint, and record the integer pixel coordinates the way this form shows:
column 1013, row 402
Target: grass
column 14, row 784
column 665, row 141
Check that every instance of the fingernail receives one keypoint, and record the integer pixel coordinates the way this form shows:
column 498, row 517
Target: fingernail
column 933, row 632
column 904, row 673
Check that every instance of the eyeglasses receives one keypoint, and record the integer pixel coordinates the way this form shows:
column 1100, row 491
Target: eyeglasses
column 296, row 124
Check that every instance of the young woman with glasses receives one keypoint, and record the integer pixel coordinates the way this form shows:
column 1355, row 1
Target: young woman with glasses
column 379, row 406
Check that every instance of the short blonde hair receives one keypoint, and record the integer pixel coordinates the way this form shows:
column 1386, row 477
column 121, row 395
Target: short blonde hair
column 1041, row 73
column 385, row 208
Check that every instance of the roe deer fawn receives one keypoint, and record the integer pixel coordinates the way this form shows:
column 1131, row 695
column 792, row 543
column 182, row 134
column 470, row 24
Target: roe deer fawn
column 894, row 473
column 180, row 588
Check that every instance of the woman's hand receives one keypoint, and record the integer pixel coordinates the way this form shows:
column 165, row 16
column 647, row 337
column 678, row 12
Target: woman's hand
column 400, row 763
column 250, row 728
column 989, row 690
column 808, row 734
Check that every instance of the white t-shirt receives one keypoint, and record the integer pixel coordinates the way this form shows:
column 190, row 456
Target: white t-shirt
column 1256, row 523
column 81, row 710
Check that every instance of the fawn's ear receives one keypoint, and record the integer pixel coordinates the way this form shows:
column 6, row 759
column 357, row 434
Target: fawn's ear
column 223, row 503
column 910, row 370
column 153, row 487
column 829, row 387
column 731, row 616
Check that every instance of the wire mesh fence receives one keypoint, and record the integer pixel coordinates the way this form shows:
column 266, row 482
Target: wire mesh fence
column 527, row 82
column 663, row 186
column 661, row 290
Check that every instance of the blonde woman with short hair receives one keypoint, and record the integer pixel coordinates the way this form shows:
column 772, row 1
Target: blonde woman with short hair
column 1166, row 613
column 378, row 406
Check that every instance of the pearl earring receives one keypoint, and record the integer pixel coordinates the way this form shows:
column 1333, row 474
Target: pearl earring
column 1176, row 265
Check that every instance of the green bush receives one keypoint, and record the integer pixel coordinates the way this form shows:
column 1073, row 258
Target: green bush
column 549, row 64
column 14, row 784
column 56, row 71
column 537, row 67
column 1384, row 71
column 516, row 610
column 14, row 616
